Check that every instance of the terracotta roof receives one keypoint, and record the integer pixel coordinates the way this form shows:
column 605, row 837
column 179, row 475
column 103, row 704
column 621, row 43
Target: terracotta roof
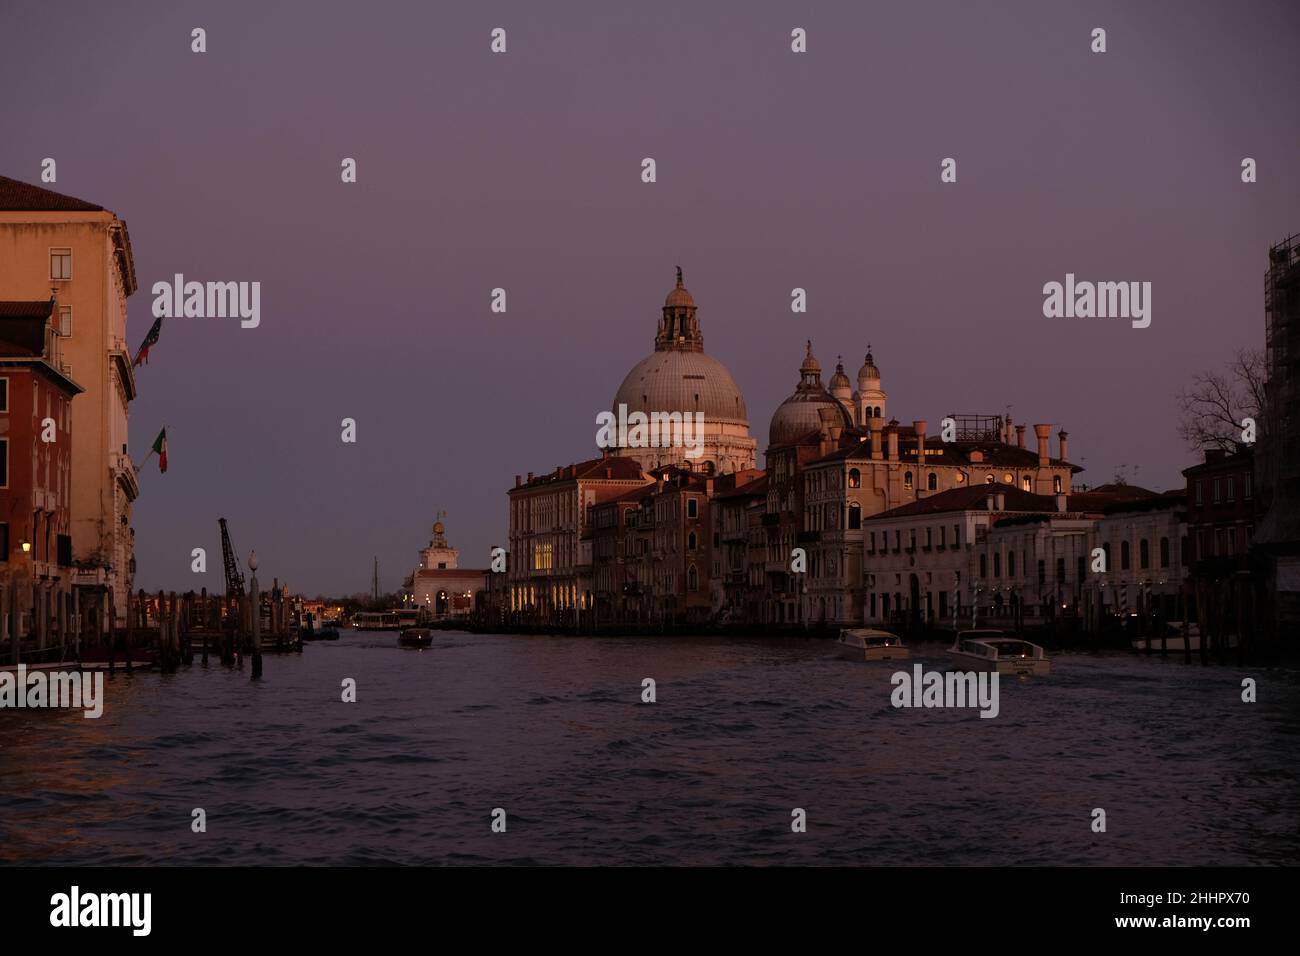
column 22, row 327
column 26, row 310
column 756, row 487
column 972, row 498
column 622, row 469
column 19, row 196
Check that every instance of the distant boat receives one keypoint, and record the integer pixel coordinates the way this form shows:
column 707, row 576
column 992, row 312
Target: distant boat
column 869, row 644
column 415, row 637
column 376, row 621
column 987, row 649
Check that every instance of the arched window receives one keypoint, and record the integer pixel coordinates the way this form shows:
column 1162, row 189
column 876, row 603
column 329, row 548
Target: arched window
column 1123, row 555
column 1056, row 485
column 907, row 480
column 855, row 478
column 855, row 516
column 1026, row 483
column 1164, row 552
column 1144, row 554
column 984, row 566
column 932, row 482
column 691, row 541
column 692, row 579
column 988, row 479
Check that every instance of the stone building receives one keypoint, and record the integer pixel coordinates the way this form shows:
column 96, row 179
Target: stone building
column 440, row 585
column 549, row 562
column 36, row 393
column 79, row 254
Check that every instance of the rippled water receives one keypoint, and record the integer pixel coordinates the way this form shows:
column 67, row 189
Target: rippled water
column 552, row 730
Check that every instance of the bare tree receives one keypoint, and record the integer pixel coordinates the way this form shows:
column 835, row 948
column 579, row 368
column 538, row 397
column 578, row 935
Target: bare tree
column 1213, row 406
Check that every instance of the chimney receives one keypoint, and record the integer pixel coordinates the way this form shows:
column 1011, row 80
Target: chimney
column 1060, row 504
column 988, row 502
column 891, row 441
column 1020, row 436
column 708, row 487
column 875, row 425
column 1000, row 501
column 919, row 428
column 518, row 481
column 1064, row 437
column 530, row 476
column 1044, row 433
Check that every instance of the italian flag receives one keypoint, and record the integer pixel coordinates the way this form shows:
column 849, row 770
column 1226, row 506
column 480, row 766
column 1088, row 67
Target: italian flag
column 160, row 449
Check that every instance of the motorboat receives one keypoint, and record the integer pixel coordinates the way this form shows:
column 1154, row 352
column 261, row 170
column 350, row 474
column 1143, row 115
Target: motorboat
column 988, row 649
column 869, row 644
column 415, row 637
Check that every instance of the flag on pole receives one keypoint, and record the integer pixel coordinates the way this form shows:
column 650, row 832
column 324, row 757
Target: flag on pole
column 160, row 449
column 150, row 340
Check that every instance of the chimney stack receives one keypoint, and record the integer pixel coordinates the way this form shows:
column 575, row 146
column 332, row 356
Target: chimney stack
column 1064, row 436
column 919, row 428
column 1060, row 504
column 1020, row 436
column 876, row 425
column 891, row 441
column 988, row 502
column 1044, row 433
column 1000, row 501
column 518, row 481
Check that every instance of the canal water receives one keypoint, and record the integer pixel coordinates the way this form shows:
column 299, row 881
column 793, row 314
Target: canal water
column 553, row 731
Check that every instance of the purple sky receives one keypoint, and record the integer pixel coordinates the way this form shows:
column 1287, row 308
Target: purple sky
column 775, row 170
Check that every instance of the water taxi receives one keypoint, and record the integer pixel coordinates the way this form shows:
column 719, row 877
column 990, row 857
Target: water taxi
column 868, row 644
column 987, row 649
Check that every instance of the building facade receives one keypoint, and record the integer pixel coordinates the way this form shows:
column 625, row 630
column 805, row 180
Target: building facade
column 440, row 585
column 36, row 395
column 79, row 254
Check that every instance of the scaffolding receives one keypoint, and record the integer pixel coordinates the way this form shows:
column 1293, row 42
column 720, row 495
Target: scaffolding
column 983, row 428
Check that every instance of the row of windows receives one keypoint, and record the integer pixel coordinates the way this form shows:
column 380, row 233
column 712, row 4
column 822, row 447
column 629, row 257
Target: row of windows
column 1224, row 489
column 929, row 537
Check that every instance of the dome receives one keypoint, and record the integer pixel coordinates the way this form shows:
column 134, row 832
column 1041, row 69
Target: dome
column 839, row 379
column 676, row 381
column 801, row 412
column 869, row 370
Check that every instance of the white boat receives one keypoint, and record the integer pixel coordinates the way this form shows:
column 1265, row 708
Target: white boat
column 987, row 649
column 868, row 644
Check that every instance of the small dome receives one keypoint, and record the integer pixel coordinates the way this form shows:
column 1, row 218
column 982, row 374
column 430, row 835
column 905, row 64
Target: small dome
column 869, row 370
column 801, row 412
column 839, row 379
column 438, row 528
column 679, row 298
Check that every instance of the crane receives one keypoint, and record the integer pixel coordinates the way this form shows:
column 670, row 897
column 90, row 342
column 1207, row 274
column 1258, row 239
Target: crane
column 234, row 578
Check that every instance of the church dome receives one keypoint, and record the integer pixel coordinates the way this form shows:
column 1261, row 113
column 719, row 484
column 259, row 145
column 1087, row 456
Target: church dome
column 677, row 381
column 801, row 412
